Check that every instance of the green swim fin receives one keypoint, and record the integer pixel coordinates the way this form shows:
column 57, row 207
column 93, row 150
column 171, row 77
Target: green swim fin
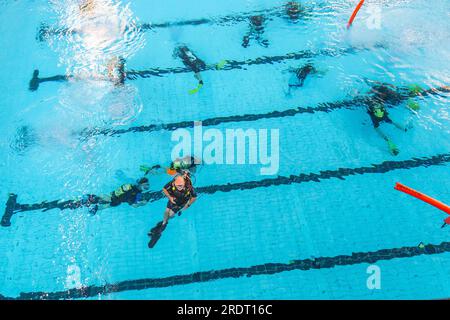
column 196, row 89
column 221, row 64
column 145, row 169
column 392, row 148
column 413, row 105
column 415, row 89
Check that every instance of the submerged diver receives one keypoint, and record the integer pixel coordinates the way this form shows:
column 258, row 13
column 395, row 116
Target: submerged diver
column 127, row 193
column 293, row 10
column 181, row 195
column 256, row 31
column 379, row 114
column 299, row 76
column 382, row 96
column 179, row 165
column 191, row 61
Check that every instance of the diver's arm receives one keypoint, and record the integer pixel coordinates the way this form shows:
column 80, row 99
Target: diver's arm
column 385, row 137
column 399, row 126
column 190, row 202
column 167, row 194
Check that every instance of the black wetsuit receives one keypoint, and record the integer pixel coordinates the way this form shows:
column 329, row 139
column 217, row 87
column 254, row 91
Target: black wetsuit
column 128, row 196
column 256, row 31
column 190, row 60
column 302, row 73
column 384, row 94
column 181, row 197
column 293, row 11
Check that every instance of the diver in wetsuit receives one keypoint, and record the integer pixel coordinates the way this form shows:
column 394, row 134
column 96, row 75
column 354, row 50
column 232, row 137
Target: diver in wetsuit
column 191, row 61
column 387, row 94
column 379, row 114
column 299, row 76
column 293, row 10
column 127, row 193
column 181, row 195
column 179, row 165
column 256, row 31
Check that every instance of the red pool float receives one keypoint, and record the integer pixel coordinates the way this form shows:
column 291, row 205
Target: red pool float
column 425, row 198
column 355, row 12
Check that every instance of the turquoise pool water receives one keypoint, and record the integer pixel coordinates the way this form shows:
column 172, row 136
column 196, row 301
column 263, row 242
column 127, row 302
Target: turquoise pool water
column 310, row 231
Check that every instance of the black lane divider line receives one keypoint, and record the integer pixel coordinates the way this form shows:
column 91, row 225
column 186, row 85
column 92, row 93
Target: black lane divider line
column 340, row 173
column 231, row 65
column 9, row 211
column 271, row 268
column 321, row 107
column 46, row 31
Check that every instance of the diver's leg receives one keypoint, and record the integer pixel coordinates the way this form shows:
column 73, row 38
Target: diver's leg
column 198, row 76
column 381, row 134
column 168, row 214
column 302, row 81
column 399, row 126
column 392, row 147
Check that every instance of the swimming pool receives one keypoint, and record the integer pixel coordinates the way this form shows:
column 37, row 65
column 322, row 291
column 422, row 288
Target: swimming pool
column 311, row 230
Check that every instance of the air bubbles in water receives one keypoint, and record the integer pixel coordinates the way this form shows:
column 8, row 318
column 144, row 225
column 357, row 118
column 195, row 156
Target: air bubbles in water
column 94, row 33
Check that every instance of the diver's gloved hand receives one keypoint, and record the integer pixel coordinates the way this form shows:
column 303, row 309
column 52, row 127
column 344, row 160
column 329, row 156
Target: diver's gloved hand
column 393, row 148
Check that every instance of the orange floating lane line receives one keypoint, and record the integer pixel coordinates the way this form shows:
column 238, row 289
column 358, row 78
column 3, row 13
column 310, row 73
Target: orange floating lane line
column 355, row 12
column 425, row 198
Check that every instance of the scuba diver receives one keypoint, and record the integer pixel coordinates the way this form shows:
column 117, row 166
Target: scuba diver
column 179, row 165
column 299, row 76
column 293, row 10
column 116, row 71
column 191, row 61
column 256, row 31
column 379, row 114
column 387, row 94
column 181, row 195
column 129, row 193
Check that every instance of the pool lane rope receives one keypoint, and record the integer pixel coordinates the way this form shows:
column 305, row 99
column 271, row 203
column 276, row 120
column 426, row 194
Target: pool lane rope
column 355, row 12
column 425, row 198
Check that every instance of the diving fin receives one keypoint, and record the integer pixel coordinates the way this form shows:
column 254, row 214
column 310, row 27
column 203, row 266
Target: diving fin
column 155, row 233
column 413, row 105
column 147, row 169
column 195, row 90
column 392, row 148
column 221, row 64
column 415, row 89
